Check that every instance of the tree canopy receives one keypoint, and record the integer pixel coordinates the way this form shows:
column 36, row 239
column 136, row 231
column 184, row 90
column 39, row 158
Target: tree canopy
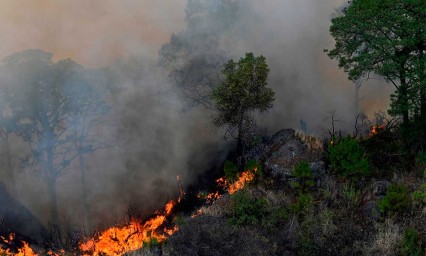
column 242, row 92
column 51, row 106
column 387, row 37
column 193, row 57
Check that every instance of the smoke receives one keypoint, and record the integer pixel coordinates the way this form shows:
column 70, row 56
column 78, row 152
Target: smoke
column 158, row 140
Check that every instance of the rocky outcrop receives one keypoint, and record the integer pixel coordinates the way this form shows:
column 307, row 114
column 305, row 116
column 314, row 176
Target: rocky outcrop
column 370, row 207
column 284, row 150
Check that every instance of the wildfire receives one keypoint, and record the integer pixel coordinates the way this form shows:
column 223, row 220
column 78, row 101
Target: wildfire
column 376, row 129
column 24, row 251
column 119, row 240
column 243, row 178
column 133, row 236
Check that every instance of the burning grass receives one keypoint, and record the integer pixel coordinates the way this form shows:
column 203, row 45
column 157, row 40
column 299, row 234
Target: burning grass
column 25, row 250
column 119, row 240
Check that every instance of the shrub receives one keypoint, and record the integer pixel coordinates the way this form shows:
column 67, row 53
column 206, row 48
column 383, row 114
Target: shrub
column 305, row 177
column 278, row 216
column 421, row 158
column 351, row 195
column 419, row 196
column 302, row 205
column 347, row 159
column 230, row 170
column 411, row 244
column 254, row 167
column 307, row 246
column 395, row 201
column 247, row 210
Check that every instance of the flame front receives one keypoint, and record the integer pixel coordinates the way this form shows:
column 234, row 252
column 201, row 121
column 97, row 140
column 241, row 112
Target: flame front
column 375, row 129
column 119, row 240
column 243, row 178
column 25, row 250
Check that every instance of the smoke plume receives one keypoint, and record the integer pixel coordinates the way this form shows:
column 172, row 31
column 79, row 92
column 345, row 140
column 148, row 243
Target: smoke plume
column 157, row 138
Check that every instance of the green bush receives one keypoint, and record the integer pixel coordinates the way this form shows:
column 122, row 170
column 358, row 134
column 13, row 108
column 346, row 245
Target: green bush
column 347, row 159
column 307, row 246
column 351, row 195
column 247, row 210
column 278, row 216
column 302, row 205
column 231, row 171
column 395, row 201
column 254, row 167
column 419, row 196
column 411, row 244
column 421, row 158
column 305, row 177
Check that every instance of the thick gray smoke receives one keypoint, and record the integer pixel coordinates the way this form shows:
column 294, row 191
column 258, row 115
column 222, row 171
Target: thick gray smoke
column 158, row 138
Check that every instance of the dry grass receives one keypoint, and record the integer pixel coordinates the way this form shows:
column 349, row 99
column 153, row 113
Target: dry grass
column 386, row 242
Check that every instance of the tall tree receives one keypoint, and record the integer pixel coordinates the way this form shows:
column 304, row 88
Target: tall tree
column 387, row 37
column 88, row 109
column 242, row 92
column 48, row 101
column 6, row 130
column 193, row 57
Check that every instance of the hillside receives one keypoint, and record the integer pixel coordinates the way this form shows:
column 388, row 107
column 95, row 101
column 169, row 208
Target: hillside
column 307, row 209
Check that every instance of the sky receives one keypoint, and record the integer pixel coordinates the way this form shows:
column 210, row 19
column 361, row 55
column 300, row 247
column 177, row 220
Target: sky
column 94, row 33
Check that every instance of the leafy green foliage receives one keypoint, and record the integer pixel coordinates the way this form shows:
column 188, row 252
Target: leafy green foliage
column 419, row 196
column 411, row 244
column 307, row 246
column 347, row 159
column 302, row 204
column 421, row 159
column 305, row 177
column 255, row 167
column 387, row 37
column 231, row 171
column 247, row 210
column 277, row 216
column 242, row 92
column 395, row 201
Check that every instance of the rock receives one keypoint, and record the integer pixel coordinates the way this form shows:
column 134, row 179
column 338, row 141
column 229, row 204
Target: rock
column 380, row 188
column 259, row 152
column 318, row 168
column 276, row 170
column 290, row 150
column 370, row 210
column 280, row 164
column 282, row 137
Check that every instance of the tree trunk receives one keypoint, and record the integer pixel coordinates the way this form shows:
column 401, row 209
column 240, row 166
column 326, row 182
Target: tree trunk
column 10, row 169
column 52, row 179
column 84, row 188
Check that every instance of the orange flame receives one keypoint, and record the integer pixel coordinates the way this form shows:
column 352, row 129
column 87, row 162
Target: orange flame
column 24, row 251
column 119, row 240
column 243, row 178
column 376, row 129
